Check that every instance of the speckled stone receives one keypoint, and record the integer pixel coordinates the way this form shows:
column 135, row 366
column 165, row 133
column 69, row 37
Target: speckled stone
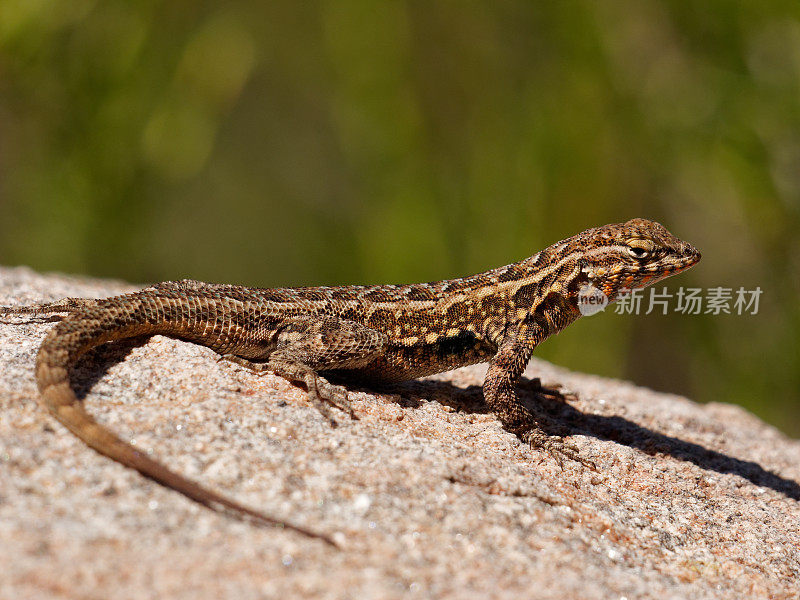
column 429, row 495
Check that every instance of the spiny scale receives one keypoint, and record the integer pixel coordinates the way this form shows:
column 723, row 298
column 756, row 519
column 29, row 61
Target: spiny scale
column 368, row 333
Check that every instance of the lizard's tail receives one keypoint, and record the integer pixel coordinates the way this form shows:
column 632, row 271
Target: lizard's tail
column 90, row 327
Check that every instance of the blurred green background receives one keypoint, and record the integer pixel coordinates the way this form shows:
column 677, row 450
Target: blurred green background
column 330, row 142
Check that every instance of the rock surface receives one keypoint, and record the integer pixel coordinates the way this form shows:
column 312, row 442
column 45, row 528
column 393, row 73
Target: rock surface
column 427, row 493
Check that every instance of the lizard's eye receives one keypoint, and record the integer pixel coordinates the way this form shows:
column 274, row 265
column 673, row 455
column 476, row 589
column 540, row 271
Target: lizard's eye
column 637, row 252
column 639, row 248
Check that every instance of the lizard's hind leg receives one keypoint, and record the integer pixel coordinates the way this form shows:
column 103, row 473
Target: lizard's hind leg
column 307, row 346
column 47, row 312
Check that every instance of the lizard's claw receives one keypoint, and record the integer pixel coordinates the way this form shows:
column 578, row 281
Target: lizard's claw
column 321, row 393
column 557, row 448
column 552, row 391
column 333, row 395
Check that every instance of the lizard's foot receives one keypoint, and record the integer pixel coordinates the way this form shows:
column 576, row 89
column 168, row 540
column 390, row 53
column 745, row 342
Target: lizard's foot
column 48, row 312
column 336, row 396
column 321, row 393
column 551, row 391
column 307, row 345
column 556, row 447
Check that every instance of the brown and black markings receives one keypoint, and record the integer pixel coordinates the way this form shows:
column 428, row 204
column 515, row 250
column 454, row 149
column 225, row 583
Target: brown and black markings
column 391, row 332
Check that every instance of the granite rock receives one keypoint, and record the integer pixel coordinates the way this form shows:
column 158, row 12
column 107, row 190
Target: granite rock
column 429, row 496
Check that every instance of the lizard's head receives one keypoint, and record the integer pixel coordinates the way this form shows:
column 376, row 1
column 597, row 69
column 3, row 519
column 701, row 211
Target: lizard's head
column 632, row 255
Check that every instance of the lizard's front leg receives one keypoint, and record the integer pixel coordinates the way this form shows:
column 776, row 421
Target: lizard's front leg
column 307, row 346
column 499, row 390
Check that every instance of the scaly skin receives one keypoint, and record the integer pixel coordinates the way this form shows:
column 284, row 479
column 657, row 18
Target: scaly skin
column 369, row 333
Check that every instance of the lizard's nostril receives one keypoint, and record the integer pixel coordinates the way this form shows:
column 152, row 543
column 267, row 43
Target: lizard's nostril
column 690, row 251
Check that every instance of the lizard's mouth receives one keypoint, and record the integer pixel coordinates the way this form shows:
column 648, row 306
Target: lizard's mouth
column 633, row 279
column 676, row 262
column 690, row 256
column 673, row 267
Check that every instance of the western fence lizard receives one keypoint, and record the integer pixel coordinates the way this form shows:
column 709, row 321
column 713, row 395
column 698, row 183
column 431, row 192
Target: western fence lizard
column 381, row 333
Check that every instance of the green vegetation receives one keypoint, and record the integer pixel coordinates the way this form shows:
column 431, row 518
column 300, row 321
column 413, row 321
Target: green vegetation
column 292, row 143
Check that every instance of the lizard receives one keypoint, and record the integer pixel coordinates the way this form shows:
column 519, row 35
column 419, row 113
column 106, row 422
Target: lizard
column 379, row 333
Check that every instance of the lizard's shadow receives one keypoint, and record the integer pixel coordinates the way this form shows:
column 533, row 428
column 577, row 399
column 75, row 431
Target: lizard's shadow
column 89, row 369
column 560, row 418
column 556, row 417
